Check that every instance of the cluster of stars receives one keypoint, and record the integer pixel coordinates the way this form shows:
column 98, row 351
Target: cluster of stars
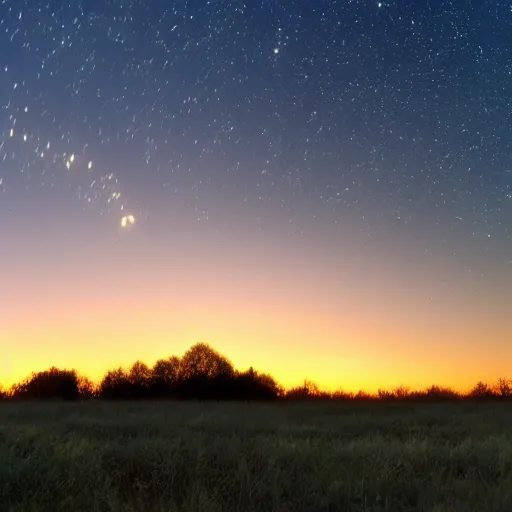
column 26, row 152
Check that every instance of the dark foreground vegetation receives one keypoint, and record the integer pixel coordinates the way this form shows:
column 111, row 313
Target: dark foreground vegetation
column 204, row 374
column 132, row 442
column 296, row 456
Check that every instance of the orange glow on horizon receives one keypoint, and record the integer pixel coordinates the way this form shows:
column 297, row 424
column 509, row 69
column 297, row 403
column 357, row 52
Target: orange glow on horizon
column 361, row 357
column 343, row 318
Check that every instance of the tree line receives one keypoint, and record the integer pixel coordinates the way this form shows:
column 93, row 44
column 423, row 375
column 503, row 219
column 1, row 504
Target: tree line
column 205, row 374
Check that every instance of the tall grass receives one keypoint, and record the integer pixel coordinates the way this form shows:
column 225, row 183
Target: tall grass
column 142, row 456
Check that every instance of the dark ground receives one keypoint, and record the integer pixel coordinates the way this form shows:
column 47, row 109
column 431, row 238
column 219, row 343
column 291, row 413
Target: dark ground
column 99, row 456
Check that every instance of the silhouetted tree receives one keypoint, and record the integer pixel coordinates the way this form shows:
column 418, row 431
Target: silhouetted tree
column 202, row 361
column 140, row 380
column 165, row 376
column 267, row 382
column 115, row 385
column 49, row 384
column 205, row 374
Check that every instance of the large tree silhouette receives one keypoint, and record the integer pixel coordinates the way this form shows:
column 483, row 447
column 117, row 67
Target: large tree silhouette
column 202, row 361
column 140, row 380
column 205, row 374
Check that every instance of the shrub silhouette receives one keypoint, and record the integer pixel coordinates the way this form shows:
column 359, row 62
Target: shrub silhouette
column 86, row 388
column 49, row 384
column 436, row 394
column 363, row 396
column 481, row 391
column 251, row 385
column 503, row 388
column 385, row 395
column 342, row 396
column 308, row 391
column 400, row 393
column 205, row 374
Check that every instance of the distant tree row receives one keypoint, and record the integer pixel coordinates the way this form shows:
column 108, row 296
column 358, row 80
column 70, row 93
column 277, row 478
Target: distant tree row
column 481, row 391
column 205, row 374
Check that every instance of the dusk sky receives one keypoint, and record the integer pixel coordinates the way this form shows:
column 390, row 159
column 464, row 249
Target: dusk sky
column 321, row 189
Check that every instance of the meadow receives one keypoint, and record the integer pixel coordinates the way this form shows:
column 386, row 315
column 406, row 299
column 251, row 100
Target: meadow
column 167, row 456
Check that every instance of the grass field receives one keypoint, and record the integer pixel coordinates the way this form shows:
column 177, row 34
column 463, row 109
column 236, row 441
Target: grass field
column 277, row 457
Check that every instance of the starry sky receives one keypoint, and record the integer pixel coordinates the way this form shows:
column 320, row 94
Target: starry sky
column 320, row 189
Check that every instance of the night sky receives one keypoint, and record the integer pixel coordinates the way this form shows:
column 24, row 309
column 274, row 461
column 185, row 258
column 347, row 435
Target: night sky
column 321, row 189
